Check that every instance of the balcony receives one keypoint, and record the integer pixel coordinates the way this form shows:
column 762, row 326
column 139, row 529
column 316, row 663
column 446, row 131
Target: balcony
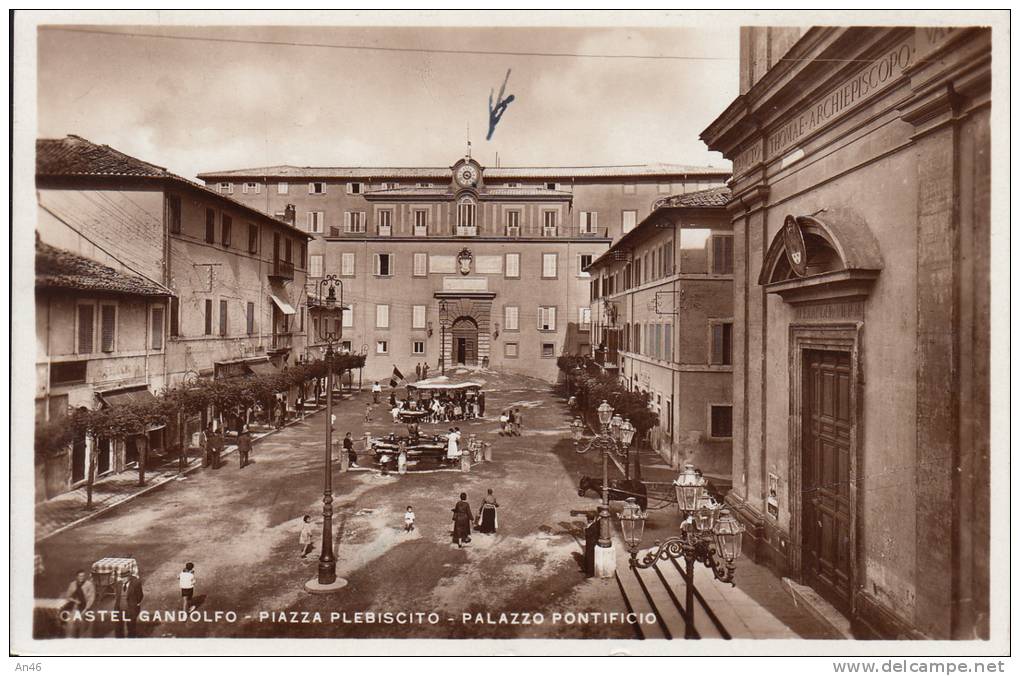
column 282, row 270
column 283, row 340
column 467, row 231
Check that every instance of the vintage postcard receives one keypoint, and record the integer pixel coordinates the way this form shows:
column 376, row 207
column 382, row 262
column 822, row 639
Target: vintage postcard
column 580, row 333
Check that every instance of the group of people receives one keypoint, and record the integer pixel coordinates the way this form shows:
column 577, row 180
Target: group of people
column 81, row 596
column 214, row 442
column 487, row 521
column 421, row 371
column 440, row 408
column 511, row 422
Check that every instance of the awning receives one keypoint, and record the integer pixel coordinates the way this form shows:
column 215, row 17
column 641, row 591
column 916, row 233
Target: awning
column 127, row 395
column 279, row 295
column 263, row 368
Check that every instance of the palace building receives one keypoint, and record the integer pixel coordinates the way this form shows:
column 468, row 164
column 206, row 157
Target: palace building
column 861, row 221
column 473, row 265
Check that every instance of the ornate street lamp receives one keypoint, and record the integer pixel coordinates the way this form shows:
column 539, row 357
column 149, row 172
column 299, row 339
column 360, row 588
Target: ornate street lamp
column 708, row 534
column 576, row 430
column 444, row 320
column 329, row 301
column 606, row 444
column 627, row 431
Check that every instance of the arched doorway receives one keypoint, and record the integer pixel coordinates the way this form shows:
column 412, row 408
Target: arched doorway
column 464, row 347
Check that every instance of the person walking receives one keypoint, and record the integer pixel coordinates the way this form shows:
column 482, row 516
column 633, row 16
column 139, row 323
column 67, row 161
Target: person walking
column 511, row 422
column 368, row 412
column 305, row 539
column 481, row 404
column 206, row 440
column 417, row 371
column 518, row 421
column 376, row 391
column 244, row 446
column 352, row 457
column 425, row 370
column 80, row 595
column 217, row 448
column 409, row 520
column 487, row 522
column 462, row 521
column 131, row 602
column 452, row 447
column 187, row 581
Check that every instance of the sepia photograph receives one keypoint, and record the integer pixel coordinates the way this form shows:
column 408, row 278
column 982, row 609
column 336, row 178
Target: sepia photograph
column 571, row 333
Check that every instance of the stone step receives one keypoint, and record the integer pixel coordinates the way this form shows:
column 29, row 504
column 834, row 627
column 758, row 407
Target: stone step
column 634, row 594
column 667, row 608
column 708, row 621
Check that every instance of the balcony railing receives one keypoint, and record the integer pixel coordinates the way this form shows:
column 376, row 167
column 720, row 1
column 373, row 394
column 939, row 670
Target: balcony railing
column 467, row 231
column 282, row 270
column 283, row 340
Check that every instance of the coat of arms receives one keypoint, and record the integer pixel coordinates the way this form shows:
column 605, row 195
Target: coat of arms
column 796, row 251
column 464, row 261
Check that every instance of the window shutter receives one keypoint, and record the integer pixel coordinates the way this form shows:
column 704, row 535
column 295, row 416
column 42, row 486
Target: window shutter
column 108, row 318
column 311, row 188
column 157, row 328
column 348, row 316
column 418, row 319
column 208, row 317
column 175, row 316
column 258, row 188
column 86, row 328
column 223, row 317
column 347, row 221
column 250, row 319
column 717, row 343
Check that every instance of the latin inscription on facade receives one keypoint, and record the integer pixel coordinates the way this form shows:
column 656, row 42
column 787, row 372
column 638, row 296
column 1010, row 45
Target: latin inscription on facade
column 748, row 157
column 489, row 265
column 865, row 83
column 443, row 264
column 465, row 284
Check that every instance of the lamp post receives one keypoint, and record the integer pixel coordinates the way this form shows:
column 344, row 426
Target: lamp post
column 708, row 534
column 444, row 319
column 606, row 442
column 330, row 303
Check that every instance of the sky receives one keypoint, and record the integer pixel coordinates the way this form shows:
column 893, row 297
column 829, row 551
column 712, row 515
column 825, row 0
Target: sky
column 206, row 104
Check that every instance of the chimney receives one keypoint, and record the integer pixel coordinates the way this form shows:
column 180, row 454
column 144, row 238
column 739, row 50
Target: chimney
column 289, row 214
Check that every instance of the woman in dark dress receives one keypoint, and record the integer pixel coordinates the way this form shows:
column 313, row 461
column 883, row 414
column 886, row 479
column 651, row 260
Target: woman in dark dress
column 462, row 521
column 487, row 514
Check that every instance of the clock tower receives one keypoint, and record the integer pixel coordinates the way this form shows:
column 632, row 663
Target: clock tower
column 467, row 175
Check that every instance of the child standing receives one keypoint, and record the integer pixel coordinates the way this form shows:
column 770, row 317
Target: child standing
column 409, row 520
column 187, row 578
column 305, row 539
column 368, row 412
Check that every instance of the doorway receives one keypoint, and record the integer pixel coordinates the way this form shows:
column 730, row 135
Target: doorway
column 826, row 501
column 130, row 451
column 78, row 454
column 465, row 341
column 104, row 462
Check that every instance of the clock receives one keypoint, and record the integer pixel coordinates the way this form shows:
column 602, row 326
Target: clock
column 467, row 175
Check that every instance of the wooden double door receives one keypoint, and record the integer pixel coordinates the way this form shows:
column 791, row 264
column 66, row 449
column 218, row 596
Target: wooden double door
column 826, row 475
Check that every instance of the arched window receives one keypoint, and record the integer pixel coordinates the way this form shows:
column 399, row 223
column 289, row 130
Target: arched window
column 466, row 212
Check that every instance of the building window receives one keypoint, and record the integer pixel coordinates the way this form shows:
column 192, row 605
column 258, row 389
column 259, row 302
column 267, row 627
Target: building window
column 548, row 350
column 210, row 226
column 511, row 316
column 722, row 343
column 629, row 220
column 722, row 422
column 390, row 185
column 316, row 188
column 173, row 213
column 550, row 186
column 513, row 223
column 382, row 316
column 157, row 323
column 354, row 221
column 584, row 317
column 421, row 265
column 355, row 188
column 422, row 185
column 549, row 224
column 251, row 188
column 637, row 338
column 513, row 266
column 511, row 185
column 225, row 226
column 86, row 328
column 315, row 265
column 315, row 221
column 385, row 222
column 288, row 250
column 418, row 317
column 466, row 214
column 384, row 265
column 510, row 350
column 667, row 341
column 223, row 317
column 664, row 188
column 421, row 222
column 382, row 347
column 282, row 188
column 208, row 317
column 249, row 319
column 629, row 188
column 68, row 373
column 175, row 316
column 583, row 261
column 417, row 347
column 347, row 316
column 347, row 264
column 589, row 223
column 108, row 327
column 546, row 318
column 253, row 238
column 226, row 188
column 549, row 265
column 722, row 254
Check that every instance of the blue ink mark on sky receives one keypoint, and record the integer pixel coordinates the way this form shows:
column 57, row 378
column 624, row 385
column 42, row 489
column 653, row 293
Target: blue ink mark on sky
column 496, row 113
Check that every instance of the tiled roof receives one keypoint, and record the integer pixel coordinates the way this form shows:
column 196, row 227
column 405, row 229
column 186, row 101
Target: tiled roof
column 713, row 197
column 60, row 269
column 382, row 173
column 76, row 156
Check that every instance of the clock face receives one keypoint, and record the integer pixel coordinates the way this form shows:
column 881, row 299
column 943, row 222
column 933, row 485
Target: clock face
column 467, row 175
